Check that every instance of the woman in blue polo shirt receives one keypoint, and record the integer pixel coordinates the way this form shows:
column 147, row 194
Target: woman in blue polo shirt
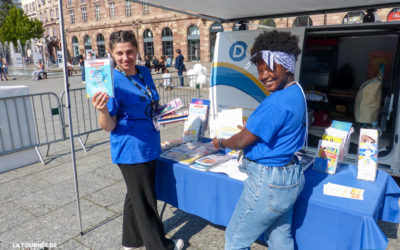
column 273, row 132
column 135, row 143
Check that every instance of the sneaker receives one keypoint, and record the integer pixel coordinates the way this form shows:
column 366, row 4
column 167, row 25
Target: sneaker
column 179, row 244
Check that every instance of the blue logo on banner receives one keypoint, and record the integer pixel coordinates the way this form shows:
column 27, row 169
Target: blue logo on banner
column 237, row 52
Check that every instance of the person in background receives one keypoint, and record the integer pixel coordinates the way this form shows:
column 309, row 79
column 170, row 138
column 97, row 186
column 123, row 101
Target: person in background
column 156, row 64
column 82, row 64
column 135, row 143
column 70, row 67
column 166, row 79
column 168, row 62
column 162, row 64
column 5, row 66
column 179, row 65
column 40, row 70
column 147, row 62
column 2, row 72
column 271, row 136
column 90, row 56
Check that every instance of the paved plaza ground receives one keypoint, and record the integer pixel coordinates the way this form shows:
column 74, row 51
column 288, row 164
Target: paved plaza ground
column 38, row 202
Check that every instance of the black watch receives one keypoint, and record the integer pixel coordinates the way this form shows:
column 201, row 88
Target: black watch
column 220, row 144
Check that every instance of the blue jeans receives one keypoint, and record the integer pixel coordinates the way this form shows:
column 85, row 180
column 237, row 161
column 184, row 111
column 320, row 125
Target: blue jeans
column 83, row 72
column 180, row 77
column 265, row 205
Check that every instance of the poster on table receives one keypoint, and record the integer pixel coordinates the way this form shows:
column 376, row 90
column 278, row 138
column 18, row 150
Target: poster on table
column 233, row 85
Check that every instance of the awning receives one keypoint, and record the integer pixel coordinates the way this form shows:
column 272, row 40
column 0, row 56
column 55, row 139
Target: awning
column 237, row 10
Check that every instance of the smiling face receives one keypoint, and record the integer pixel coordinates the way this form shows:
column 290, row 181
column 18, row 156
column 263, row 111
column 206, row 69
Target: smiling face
column 273, row 80
column 124, row 55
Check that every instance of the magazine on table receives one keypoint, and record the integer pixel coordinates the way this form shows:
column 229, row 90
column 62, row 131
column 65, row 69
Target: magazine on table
column 367, row 155
column 99, row 76
column 230, row 168
column 327, row 156
column 170, row 107
column 214, row 159
column 199, row 111
column 227, row 122
column 188, row 152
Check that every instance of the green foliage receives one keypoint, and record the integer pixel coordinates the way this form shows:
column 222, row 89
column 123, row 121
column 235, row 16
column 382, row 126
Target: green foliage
column 17, row 26
column 4, row 11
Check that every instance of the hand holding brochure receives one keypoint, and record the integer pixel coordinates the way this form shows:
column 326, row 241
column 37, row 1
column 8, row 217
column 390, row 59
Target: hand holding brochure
column 228, row 120
column 99, row 77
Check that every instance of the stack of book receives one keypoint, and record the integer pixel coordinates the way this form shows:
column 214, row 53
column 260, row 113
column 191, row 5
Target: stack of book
column 333, row 147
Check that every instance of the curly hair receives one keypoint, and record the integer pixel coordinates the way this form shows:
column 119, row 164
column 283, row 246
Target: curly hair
column 122, row 36
column 275, row 41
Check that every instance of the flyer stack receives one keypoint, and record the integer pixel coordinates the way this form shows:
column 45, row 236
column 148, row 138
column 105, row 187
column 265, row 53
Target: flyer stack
column 333, row 147
column 367, row 155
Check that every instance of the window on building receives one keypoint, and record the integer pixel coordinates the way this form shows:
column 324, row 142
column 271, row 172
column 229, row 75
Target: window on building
column 45, row 16
column 71, row 17
column 148, row 43
column 267, row 22
column 146, row 9
column 75, row 46
column 57, row 13
column 55, row 32
column 193, row 37
column 84, row 14
column 97, row 12
column 394, row 15
column 112, row 10
column 353, row 17
column 82, row 1
column 101, row 46
column 128, row 8
column 302, row 21
column 240, row 26
column 40, row 17
column 69, row 2
column 167, row 42
column 51, row 14
column 87, row 42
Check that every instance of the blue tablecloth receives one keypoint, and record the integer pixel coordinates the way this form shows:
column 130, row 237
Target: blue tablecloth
column 320, row 221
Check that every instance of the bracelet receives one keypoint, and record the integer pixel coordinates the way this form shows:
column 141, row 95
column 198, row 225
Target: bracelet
column 220, row 144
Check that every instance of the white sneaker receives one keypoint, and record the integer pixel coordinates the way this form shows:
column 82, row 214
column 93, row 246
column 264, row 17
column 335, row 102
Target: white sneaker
column 131, row 248
column 179, row 243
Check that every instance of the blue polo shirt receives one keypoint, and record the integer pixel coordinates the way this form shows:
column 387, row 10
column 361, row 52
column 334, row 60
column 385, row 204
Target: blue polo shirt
column 134, row 139
column 280, row 124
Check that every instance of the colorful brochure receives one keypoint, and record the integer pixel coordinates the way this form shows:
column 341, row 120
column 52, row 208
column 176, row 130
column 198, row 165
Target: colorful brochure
column 367, row 155
column 99, row 76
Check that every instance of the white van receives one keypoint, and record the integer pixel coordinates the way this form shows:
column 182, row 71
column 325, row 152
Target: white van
column 341, row 62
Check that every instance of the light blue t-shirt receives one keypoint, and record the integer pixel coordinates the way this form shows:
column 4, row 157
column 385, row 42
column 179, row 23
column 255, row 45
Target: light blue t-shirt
column 134, row 139
column 280, row 124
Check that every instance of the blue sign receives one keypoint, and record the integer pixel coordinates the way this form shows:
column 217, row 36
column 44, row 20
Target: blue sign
column 237, row 52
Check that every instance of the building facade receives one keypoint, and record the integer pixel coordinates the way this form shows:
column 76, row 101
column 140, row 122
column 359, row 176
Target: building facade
column 89, row 23
column 47, row 12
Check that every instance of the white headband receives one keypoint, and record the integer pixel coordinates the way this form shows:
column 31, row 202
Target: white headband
column 288, row 61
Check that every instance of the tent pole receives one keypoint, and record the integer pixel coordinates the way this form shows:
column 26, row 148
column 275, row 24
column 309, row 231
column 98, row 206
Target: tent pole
column 68, row 105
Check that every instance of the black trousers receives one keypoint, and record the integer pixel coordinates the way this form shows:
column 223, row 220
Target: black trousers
column 141, row 222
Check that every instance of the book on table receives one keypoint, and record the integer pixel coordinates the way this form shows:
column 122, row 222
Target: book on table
column 199, row 111
column 99, row 76
column 188, row 152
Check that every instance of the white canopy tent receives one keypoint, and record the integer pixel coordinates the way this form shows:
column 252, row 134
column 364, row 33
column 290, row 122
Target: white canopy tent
column 238, row 10
column 225, row 11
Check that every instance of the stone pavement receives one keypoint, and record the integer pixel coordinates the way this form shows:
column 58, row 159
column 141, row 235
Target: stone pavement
column 38, row 202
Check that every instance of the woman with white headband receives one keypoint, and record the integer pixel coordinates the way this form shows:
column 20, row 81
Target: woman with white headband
column 272, row 134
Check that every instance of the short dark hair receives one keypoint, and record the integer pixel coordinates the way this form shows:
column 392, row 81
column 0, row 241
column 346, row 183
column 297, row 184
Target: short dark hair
column 123, row 36
column 275, row 41
column 178, row 51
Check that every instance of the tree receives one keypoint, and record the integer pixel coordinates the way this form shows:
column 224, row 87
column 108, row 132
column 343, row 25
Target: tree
column 17, row 26
column 4, row 11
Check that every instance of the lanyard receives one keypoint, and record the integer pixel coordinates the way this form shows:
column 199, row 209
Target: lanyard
column 148, row 92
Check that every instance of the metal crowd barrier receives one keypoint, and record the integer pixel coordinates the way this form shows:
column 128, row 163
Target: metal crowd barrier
column 84, row 116
column 28, row 121
column 35, row 120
